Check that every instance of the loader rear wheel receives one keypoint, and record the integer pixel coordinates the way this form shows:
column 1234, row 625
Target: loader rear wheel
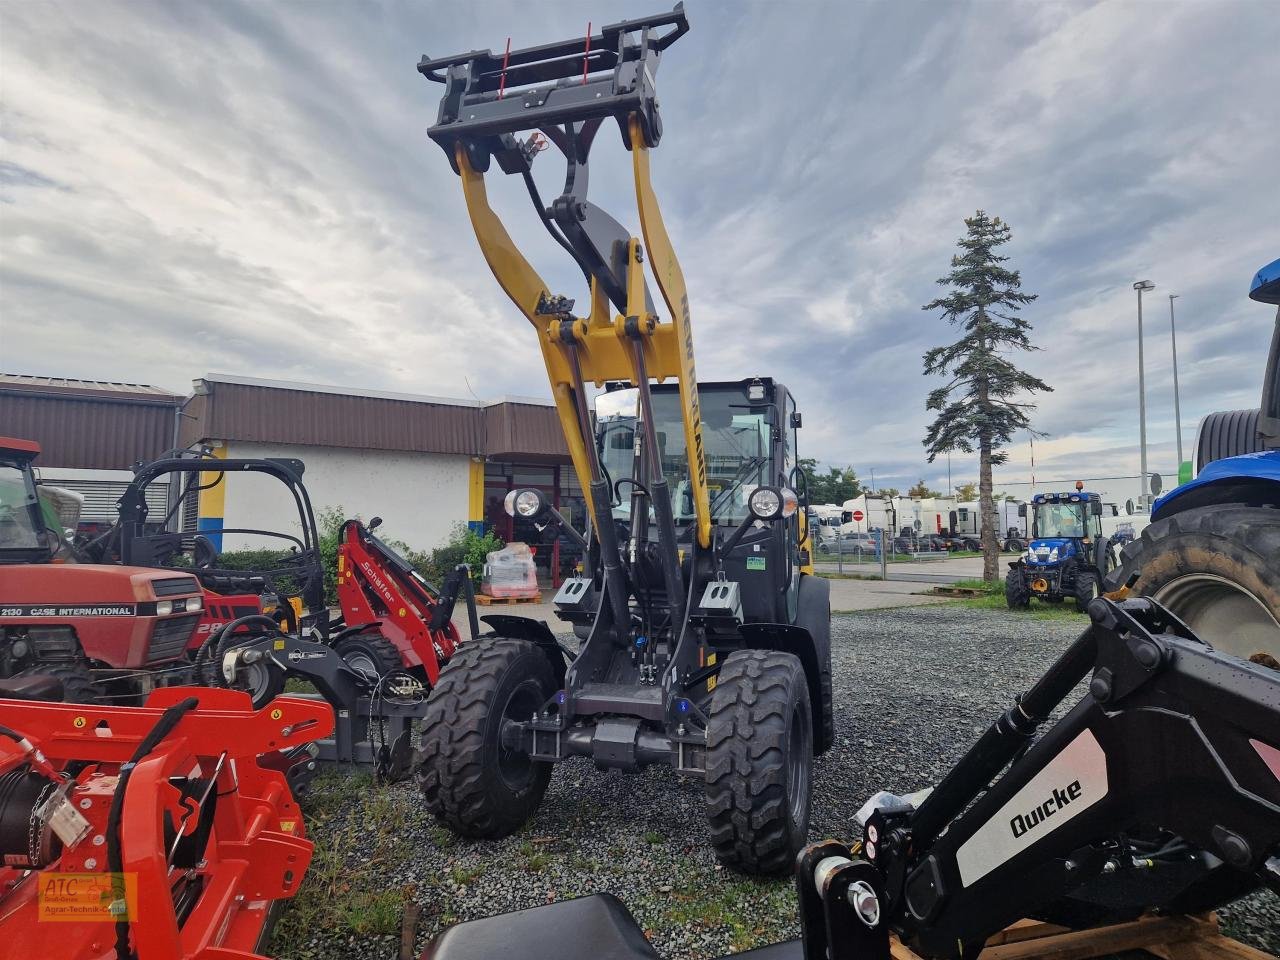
column 1218, row 569
column 1017, row 595
column 77, row 683
column 759, row 762
column 472, row 783
column 369, row 654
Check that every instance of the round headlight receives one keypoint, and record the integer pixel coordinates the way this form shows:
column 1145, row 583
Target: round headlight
column 523, row 503
column 765, row 503
column 770, row 503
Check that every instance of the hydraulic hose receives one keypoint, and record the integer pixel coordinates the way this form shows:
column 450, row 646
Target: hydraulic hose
column 115, row 857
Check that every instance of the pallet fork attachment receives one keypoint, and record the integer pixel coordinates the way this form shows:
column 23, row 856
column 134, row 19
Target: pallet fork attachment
column 546, row 94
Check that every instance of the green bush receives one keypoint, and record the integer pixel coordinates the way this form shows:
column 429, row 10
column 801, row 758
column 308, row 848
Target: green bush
column 464, row 546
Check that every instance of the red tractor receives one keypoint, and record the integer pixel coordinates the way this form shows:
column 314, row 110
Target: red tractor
column 101, row 630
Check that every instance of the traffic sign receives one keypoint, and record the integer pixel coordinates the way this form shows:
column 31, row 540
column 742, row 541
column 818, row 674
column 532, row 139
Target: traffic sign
column 858, row 515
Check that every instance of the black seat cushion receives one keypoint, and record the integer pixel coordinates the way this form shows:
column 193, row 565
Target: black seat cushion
column 588, row 928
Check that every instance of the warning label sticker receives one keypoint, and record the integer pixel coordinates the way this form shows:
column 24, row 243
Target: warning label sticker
column 86, row 897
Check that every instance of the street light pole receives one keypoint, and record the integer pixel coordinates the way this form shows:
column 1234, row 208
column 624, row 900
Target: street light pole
column 1177, row 405
column 1142, row 286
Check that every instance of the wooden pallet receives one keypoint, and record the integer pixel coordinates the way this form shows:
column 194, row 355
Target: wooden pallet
column 485, row 600
column 1170, row 938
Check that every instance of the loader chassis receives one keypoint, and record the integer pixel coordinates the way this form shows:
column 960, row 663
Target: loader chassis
column 697, row 594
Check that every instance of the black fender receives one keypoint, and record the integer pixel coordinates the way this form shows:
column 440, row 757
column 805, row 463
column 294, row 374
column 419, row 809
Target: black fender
column 538, row 633
column 809, row 638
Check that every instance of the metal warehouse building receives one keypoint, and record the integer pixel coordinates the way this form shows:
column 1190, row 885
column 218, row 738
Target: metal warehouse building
column 424, row 464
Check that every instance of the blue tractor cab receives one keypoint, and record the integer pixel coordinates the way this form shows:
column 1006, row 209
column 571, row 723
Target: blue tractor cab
column 1212, row 551
column 1068, row 556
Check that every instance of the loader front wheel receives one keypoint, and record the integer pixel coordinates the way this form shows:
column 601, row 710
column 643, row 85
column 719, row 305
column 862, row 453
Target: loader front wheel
column 473, row 783
column 759, row 762
column 1217, row 569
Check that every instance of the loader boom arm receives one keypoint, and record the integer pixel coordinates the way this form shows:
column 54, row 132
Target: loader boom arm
column 621, row 337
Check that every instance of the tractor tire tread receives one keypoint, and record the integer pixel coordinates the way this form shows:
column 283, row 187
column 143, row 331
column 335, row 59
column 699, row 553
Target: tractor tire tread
column 77, row 682
column 746, row 781
column 451, row 758
column 384, row 650
column 1236, row 541
column 1017, row 594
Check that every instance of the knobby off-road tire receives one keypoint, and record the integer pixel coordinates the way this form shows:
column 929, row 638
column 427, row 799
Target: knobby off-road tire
column 472, row 784
column 369, row 653
column 1017, row 593
column 1087, row 587
column 1218, row 569
column 77, row 682
column 759, row 762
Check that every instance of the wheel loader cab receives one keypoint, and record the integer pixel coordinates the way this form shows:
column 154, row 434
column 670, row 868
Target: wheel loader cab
column 749, row 442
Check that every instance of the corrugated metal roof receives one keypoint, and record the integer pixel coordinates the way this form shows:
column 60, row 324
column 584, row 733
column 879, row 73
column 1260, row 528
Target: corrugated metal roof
column 103, row 425
column 95, row 389
column 87, row 429
column 233, row 411
column 515, row 431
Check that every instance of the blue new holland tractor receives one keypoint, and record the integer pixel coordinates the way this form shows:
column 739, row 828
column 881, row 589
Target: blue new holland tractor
column 1212, row 551
column 1068, row 555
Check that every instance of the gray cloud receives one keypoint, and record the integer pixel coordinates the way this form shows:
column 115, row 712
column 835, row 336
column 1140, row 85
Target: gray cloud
column 249, row 187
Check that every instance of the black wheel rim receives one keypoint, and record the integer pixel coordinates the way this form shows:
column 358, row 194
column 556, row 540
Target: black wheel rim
column 514, row 765
column 363, row 663
column 257, row 683
column 798, row 766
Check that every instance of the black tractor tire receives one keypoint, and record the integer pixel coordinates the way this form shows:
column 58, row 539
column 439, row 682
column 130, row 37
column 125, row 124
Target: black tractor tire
column 471, row 783
column 1217, row 568
column 759, row 762
column 369, row 653
column 813, row 612
column 262, row 681
column 1017, row 594
column 77, row 682
column 1087, row 588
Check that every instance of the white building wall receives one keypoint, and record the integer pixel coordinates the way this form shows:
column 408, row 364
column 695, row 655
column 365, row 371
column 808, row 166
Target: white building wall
column 421, row 497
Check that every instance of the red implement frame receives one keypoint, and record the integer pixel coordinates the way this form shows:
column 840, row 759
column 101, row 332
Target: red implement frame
column 256, row 852
column 377, row 587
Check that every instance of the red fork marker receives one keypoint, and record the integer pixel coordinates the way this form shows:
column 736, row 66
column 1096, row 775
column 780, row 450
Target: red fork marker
column 586, row 54
column 502, row 81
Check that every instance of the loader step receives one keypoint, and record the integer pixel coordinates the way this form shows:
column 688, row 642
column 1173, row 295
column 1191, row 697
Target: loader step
column 485, row 600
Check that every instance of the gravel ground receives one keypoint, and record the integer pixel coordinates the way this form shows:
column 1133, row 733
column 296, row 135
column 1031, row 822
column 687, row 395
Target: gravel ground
column 916, row 686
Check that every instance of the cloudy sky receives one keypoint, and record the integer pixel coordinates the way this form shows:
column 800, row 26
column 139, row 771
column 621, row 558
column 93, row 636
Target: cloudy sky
column 248, row 188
